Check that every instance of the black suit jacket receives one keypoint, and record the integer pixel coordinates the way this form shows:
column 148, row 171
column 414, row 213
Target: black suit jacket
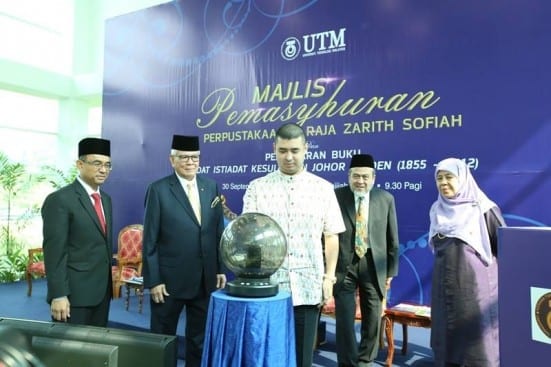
column 77, row 254
column 382, row 234
column 177, row 251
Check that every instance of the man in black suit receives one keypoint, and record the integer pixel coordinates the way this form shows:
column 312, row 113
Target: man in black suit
column 182, row 229
column 368, row 259
column 77, row 231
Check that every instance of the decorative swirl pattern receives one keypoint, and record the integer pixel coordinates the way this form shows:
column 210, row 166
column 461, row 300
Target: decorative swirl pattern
column 165, row 46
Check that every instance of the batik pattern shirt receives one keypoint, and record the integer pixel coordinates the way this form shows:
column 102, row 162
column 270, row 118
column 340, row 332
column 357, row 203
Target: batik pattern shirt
column 305, row 206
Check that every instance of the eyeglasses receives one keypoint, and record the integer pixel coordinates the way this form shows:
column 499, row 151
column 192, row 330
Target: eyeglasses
column 98, row 165
column 187, row 158
column 357, row 177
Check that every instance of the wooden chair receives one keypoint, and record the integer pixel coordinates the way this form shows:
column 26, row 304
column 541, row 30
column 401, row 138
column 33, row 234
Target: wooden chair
column 35, row 268
column 408, row 315
column 128, row 258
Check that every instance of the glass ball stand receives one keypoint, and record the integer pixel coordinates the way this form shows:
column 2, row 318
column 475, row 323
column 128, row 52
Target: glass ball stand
column 247, row 287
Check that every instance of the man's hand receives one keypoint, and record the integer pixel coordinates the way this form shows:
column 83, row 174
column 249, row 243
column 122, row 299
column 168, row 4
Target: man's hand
column 158, row 293
column 60, row 309
column 220, row 281
column 327, row 289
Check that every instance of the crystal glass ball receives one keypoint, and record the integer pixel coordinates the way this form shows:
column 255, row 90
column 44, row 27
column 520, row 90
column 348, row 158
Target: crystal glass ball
column 253, row 246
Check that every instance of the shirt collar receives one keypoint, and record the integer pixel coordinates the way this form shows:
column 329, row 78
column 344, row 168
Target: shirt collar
column 185, row 182
column 88, row 188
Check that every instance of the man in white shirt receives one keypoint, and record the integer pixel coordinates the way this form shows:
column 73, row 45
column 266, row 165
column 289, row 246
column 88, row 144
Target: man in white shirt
column 305, row 207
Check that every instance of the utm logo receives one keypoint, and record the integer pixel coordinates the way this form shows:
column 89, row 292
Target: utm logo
column 290, row 48
column 314, row 44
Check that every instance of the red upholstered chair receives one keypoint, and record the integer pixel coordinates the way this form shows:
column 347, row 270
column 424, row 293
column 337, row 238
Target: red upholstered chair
column 35, row 268
column 129, row 256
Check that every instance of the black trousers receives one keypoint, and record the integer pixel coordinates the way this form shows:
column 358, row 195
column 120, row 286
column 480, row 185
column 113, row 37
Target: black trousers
column 165, row 317
column 306, row 327
column 361, row 274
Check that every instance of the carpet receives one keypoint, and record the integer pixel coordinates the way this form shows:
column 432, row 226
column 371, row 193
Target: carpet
column 15, row 304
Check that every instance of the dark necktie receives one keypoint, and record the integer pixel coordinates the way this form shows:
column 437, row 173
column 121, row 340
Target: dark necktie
column 361, row 229
column 99, row 212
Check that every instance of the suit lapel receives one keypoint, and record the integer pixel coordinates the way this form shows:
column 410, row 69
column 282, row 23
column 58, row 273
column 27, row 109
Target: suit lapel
column 372, row 210
column 86, row 203
column 350, row 206
column 203, row 197
column 106, row 203
column 181, row 196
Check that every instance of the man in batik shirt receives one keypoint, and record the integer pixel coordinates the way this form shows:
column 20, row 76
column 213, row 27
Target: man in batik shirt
column 305, row 207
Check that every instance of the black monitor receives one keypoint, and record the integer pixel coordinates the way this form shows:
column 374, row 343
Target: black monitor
column 67, row 353
column 135, row 348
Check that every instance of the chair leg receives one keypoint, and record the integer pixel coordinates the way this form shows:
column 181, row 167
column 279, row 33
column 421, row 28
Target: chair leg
column 405, row 343
column 127, row 298
column 382, row 333
column 389, row 331
column 29, row 284
column 139, row 292
column 116, row 289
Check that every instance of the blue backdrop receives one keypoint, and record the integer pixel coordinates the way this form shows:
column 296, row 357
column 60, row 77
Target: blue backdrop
column 409, row 82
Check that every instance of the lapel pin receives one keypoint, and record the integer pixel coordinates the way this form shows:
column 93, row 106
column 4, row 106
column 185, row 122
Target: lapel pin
column 215, row 201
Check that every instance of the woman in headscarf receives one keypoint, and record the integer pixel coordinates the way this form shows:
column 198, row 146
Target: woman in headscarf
column 463, row 235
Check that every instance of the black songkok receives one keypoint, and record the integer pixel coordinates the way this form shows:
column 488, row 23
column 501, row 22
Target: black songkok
column 94, row 146
column 185, row 143
column 362, row 160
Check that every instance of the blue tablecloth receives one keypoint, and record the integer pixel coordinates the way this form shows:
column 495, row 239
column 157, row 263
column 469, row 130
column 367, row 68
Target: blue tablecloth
column 249, row 332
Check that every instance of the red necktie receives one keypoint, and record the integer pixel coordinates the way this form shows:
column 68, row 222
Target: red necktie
column 99, row 212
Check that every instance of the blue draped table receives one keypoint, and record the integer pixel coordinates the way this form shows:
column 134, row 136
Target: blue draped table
column 249, row 332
